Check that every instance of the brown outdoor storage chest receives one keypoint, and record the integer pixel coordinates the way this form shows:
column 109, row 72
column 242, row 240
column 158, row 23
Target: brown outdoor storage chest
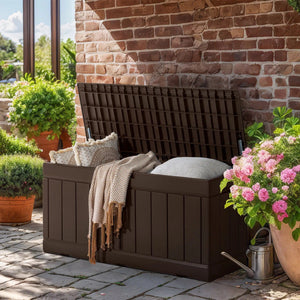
column 172, row 225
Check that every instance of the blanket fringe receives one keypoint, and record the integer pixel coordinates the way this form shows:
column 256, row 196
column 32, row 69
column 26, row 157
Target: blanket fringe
column 92, row 244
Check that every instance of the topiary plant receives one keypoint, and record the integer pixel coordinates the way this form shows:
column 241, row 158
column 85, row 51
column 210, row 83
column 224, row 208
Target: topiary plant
column 12, row 145
column 295, row 4
column 20, row 175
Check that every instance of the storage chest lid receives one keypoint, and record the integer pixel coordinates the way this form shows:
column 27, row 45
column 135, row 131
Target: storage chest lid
column 171, row 122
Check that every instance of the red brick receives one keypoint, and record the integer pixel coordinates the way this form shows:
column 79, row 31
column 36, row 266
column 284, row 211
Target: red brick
column 100, row 4
column 217, row 82
column 79, row 26
column 121, row 34
column 182, row 42
column 260, row 56
column 274, row 43
column 226, row 68
column 278, row 69
column 168, row 31
column 257, row 104
column 266, row 7
column 185, row 55
column 116, row 69
column 229, row 11
column 270, row 19
column 149, row 56
column 80, row 78
column 252, row 9
column 158, row 44
column 244, row 21
column 196, row 68
column 80, row 131
column 233, row 56
column 243, row 44
column 173, row 80
column 166, row 8
column 220, row 23
column 277, row 103
column 265, row 81
column 259, row 31
column 126, row 79
column 126, row 57
column 158, row 20
column 91, row 25
column 297, row 69
column 280, row 93
column 181, row 18
column 210, row 35
column 80, row 122
column 293, row 43
column 282, row 6
column 220, row 45
column 201, row 15
column 137, row 45
column 80, row 57
column 212, row 56
column 265, row 94
column 294, row 80
column 167, row 55
column 294, row 104
column 115, row 24
column 214, row 68
column 231, row 33
column 111, row 46
column 126, row 12
column 133, row 22
column 280, row 82
column 247, row 69
column 81, row 139
column 287, row 30
column 229, row 2
column 151, row 1
column 293, row 56
column 90, row 47
column 100, row 79
column 85, row 68
column 281, row 55
column 295, row 93
column 102, row 57
column 243, row 82
column 126, row 2
column 100, row 69
column 78, row 6
column 144, row 33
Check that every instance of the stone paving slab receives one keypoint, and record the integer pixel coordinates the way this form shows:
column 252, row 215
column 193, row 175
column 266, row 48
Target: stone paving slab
column 29, row 273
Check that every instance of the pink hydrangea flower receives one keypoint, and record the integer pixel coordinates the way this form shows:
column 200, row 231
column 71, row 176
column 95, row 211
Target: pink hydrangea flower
column 282, row 134
column 271, row 165
column 279, row 206
column 263, row 195
column 284, row 197
column 279, row 157
column 291, row 139
column 285, row 188
column 234, row 190
column 267, row 145
column 296, row 169
column 246, row 152
column 264, row 156
column 288, row 175
column 256, row 187
column 282, row 216
column 228, row 174
column 248, row 169
column 248, row 194
column 274, row 190
column 234, row 159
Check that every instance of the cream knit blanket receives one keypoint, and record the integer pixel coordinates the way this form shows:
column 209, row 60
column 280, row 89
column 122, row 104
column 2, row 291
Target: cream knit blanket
column 107, row 196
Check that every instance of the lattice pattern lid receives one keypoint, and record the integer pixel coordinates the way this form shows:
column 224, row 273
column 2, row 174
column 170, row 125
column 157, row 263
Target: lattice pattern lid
column 169, row 121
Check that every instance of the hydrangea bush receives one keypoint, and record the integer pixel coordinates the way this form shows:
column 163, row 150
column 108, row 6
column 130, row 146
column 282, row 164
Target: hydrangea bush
column 266, row 178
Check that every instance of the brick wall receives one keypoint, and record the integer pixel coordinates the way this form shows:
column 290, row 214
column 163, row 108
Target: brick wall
column 246, row 44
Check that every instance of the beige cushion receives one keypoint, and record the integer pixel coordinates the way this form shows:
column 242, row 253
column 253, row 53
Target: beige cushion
column 192, row 167
column 64, row 156
column 94, row 153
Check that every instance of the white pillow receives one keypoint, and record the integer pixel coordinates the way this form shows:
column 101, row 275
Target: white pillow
column 64, row 156
column 193, row 167
column 94, row 153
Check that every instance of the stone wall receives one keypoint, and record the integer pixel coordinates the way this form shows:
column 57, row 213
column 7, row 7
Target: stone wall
column 248, row 45
column 4, row 105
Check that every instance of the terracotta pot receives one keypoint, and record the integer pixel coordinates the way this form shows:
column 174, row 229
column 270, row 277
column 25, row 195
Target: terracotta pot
column 45, row 144
column 65, row 139
column 16, row 210
column 287, row 250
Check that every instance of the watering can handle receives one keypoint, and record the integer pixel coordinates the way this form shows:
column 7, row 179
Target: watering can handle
column 262, row 229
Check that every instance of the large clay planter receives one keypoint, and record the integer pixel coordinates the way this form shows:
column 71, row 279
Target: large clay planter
column 287, row 250
column 16, row 210
column 65, row 139
column 45, row 144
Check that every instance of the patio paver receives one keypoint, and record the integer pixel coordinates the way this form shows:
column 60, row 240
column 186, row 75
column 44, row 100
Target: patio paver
column 29, row 273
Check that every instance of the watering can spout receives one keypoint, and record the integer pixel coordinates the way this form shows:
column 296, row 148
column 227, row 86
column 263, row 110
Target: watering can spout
column 250, row 272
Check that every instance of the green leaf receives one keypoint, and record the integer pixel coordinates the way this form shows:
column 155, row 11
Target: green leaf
column 240, row 211
column 223, row 184
column 253, row 241
column 296, row 234
column 228, row 203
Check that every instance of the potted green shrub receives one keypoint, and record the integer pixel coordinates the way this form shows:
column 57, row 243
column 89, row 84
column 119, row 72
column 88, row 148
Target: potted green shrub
column 42, row 111
column 295, row 4
column 266, row 186
column 20, row 181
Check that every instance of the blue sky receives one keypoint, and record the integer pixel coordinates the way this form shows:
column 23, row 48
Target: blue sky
column 11, row 22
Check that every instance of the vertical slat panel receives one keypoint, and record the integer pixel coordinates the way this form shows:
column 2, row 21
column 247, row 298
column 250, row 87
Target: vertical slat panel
column 127, row 236
column 159, row 225
column 175, row 227
column 45, row 208
column 205, row 230
column 192, row 229
column 69, row 211
column 82, row 214
column 143, row 222
column 55, row 212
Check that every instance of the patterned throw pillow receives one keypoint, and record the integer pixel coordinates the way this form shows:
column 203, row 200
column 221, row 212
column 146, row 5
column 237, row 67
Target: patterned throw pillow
column 64, row 156
column 94, row 153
